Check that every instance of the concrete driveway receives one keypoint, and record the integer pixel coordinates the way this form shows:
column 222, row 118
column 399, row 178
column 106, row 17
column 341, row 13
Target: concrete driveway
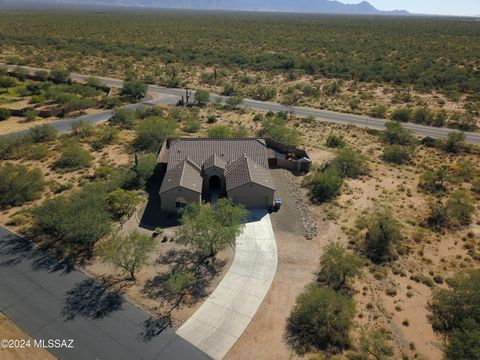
column 224, row 316
column 49, row 300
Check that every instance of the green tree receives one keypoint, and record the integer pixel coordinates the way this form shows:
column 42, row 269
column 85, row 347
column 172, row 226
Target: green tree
column 423, row 116
column 121, row 203
column 124, row 118
column 94, row 82
column 83, row 129
column 325, row 186
column 30, row 115
column 338, row 267
column 129, row 253
column 42, row 133
column 19, row 185
column 396, row 134
column 464, row 342
column 134, row 89
column 152, row 132
column 320, row 320
column 60, row 75
column 350, row 163
column 211, row 228
column 434, row 181
column 179, row 281
column 383, row 230
column 219, row 132
column 455, row 142
column 202, row 97
column 74, row 222
column 233, row 102
column 334, row 141
column 375, row 345
column 7, row 82
column 403, row 115
column 4, row 114
column 450, row 307
column 396, row 154
column 276, row 128
column 73, row 157
column 460, row 207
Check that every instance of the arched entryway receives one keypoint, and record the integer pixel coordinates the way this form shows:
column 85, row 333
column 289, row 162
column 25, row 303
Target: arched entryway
column 215, row 183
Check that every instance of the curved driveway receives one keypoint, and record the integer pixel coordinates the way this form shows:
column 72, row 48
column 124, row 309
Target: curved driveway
column 225, row 315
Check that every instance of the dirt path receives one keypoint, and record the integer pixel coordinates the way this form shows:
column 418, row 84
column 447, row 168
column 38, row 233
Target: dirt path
column 297, row 262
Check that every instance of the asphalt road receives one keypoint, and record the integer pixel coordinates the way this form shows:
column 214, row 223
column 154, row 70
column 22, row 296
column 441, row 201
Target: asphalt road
column 169, row 95
column 49, row 300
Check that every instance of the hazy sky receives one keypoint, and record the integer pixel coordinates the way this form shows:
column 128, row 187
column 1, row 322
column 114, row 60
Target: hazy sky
column 440, row 7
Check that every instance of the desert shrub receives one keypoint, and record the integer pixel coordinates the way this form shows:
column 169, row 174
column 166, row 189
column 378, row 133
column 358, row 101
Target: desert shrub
column 121, row 203
column 111, row 102
column 4, row 114
column 124, row 118
column 320, row 320
column 464, row 171
column 338, row 267
column 325, row 186
column 58, row 75
column 383, row 231
column 434, row 181
column 334, row 141
column 30, row 115
column 379, row 111
column 73, row 223
column 350, row 163
column 276, row 128
column 452, row 306
column 202, row 97
column 134, row 89
column 219, row 132
column 42, row 133
column 145, row 111
column 105, row 136
column 36, row 99
column 19, row 184
column 152, row 132
column 233, row 102
column 476, row 186
column 7, row 82
column 396, row 134
column 423, row 116
column 264, row 93
column 83, row 129
column 212, row 119
column 37, row 152
column 374, row 344
column 179, row 281
column 396, row 154
column 455, row 142
column 192, row 125
column 460, row 207
column 73, row 157
column 402, row 114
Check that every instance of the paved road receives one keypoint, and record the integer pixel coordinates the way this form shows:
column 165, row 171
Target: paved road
column 322, row 115
column 217, row 325
column 48, row 300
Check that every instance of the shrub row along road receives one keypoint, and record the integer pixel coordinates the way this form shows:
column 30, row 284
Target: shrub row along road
column 169, row 95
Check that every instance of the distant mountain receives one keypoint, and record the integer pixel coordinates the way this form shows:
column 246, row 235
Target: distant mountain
column 307, row 6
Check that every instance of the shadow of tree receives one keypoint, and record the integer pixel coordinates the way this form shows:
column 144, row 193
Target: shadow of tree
column 153, row 215
column 183, row 260
column 92, row 299
column 15, row 249
column 154, row 326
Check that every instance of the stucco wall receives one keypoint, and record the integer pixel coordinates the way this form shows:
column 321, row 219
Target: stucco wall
column 252, row 195
column 169, row 198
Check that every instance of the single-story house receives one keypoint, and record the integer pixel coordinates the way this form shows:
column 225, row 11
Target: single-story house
column 203, row 169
